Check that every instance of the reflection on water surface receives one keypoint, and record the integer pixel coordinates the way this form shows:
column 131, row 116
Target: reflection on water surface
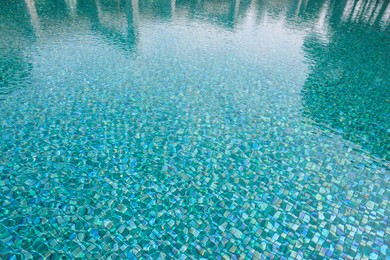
column 185, row 129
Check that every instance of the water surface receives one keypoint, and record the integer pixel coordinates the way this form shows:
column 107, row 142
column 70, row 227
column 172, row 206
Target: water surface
column 249, row 129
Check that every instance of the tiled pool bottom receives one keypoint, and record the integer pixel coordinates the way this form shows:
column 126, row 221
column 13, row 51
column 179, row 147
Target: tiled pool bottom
column 127, row 133
column 149, row 175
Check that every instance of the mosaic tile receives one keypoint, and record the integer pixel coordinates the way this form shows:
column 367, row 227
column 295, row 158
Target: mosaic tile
column 181, row 130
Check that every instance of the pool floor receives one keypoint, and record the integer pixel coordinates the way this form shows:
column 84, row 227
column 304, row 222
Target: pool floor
column 139, row 129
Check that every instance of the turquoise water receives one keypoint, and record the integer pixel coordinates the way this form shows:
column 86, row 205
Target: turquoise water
column 181, row 129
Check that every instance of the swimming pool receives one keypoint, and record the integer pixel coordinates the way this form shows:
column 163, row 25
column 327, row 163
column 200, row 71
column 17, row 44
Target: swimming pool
column 243, row 129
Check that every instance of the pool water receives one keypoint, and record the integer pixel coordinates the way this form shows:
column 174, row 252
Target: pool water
column 183, row 129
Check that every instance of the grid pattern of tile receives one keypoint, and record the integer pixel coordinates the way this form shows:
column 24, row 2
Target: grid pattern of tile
column 224, row 136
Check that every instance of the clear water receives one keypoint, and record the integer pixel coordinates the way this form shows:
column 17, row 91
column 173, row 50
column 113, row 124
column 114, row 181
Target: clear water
column 252, row 129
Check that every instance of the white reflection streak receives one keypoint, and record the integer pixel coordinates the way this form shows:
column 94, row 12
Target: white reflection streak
column 361, row 11
column 253, row 8
column 173, row 8
column 375, row 12
column 34, row 17
column 370, row 10
column 347, row 10
column 134, row 4
column 298, row 7
column 71, row 4
column 322, row 25
column 253, row 5
column 386, row 17
column 382, row 15
column 236, row 9
column 251, row 15
column 356, row 11
column 99, row 10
